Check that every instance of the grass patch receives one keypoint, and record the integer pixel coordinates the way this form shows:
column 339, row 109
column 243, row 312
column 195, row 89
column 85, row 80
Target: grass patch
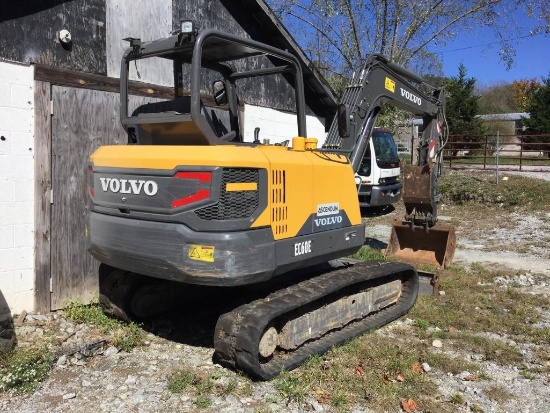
column 463, row 189
column 491, row 349
column 202, row 387
column 448, row 364
column 498, row 393
column 22, row 370
column 125, row 336
column 373, row 370
column 368, row 254
column 489, row 309
column 458, row 398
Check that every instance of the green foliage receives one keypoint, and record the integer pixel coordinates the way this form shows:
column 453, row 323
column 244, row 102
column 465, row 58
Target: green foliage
column 180, row 381
column 458, row 398
column 422, row 324
column 202, row 387
column 21, row 371
column 460, row 189
column 498, row 98
column 539, row 120
column 462, row 108
column 391, row 117
column 124, row 336
column 367, row 254
column 363, row 368
column 293, row 387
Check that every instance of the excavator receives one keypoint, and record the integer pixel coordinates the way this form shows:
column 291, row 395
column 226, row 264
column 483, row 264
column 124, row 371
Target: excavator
column 188, row 201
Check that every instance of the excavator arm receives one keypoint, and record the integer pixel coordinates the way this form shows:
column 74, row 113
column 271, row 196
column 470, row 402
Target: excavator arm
column 381, row 82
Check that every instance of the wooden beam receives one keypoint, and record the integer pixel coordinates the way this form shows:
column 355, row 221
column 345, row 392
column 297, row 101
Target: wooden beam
column 42, row 190
column 62, row 77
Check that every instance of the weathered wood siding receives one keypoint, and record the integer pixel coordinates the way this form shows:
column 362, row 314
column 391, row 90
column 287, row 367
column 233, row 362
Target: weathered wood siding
column 145, row 20
column 42, row 185
column 28, row 33
column 82, row 121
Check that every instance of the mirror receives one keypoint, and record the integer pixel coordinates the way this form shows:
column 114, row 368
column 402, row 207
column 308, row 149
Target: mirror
column 220, row 94
column 343, row 121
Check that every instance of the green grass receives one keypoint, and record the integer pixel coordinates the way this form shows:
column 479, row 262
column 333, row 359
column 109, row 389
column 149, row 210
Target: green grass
column 502, row 160
column 365, row 371
column 22, row 370
column 367, row 254
column 125, row 336
column 461, row 189
column 489, row 309
column 202, row 387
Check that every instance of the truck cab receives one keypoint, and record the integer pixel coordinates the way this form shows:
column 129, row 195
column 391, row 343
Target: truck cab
column 377, row 178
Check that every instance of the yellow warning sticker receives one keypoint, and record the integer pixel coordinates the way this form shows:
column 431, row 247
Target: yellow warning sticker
column 389, row 85
column 201, row 252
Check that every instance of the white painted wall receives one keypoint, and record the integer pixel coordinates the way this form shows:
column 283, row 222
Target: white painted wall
column 150, row 20
column 17, row 185
column 277, row 126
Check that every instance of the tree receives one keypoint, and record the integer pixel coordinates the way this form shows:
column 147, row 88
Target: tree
column 338, row 34
column 462, row 110
column 497, row 98
column 538, row 122
column 523, row 92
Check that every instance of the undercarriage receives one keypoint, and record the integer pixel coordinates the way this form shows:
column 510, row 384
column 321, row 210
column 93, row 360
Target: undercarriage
column 278, row 331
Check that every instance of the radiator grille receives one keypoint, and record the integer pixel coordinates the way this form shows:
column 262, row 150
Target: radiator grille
column 234, row 204
column 279, row 209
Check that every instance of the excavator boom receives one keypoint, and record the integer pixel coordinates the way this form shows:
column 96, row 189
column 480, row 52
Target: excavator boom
column 381, row 82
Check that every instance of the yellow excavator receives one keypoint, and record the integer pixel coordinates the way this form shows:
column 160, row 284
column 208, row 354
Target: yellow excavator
column 189, row 200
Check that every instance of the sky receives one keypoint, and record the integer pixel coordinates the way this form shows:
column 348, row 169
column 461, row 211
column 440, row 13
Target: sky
column 479, row 52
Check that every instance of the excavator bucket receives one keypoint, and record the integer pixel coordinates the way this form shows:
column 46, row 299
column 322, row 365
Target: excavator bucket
column 416, row 245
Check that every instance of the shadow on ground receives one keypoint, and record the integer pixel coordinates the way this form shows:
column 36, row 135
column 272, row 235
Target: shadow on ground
column 372, row 212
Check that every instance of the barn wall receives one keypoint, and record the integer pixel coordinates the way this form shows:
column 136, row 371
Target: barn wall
column 17, row 186
column 28, row 33
column 145, row 20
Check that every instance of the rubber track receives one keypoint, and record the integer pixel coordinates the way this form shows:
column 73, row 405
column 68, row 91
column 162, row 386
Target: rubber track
column 238, row 332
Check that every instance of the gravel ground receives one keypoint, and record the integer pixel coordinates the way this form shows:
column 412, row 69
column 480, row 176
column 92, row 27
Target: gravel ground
column 113, row 381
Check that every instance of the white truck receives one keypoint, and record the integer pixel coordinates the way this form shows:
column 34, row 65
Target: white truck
column 377, row 178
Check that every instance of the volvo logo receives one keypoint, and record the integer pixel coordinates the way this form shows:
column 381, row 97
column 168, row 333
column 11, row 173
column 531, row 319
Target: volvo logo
column 409, row 96
column 322, row 222
column 129, row 186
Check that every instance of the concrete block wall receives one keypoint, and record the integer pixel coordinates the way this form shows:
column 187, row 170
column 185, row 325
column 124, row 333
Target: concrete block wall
column 17, row 185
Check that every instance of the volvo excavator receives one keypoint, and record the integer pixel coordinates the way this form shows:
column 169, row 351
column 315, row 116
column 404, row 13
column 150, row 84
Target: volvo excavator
column 188, row 201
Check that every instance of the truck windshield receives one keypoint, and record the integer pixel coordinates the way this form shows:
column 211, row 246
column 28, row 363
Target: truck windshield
column 385, row 149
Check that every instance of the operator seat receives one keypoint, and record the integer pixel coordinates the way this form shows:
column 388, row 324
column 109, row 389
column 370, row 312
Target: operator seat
column 170, row 123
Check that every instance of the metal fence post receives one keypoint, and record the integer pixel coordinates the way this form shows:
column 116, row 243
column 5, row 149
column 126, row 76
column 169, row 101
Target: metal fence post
column 485, row 152
column 498, row 149
column 521, row 143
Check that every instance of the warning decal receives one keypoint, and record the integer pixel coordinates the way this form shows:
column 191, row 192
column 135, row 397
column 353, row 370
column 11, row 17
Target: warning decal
column 201, row 253
column 389, row 85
